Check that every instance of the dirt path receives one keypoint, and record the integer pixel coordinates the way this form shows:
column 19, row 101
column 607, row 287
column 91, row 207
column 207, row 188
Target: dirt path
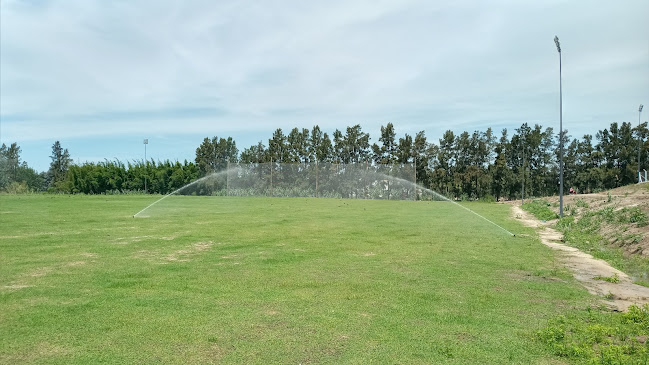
column 585, row 267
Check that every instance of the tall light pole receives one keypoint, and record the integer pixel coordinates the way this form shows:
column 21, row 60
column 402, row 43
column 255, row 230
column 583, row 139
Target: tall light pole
column 556, row 41
column 639, row 142
column 146, row 142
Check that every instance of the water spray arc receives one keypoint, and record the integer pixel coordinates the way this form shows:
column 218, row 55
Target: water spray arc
column 211, row 176
column 354, row 181
column 443, row 198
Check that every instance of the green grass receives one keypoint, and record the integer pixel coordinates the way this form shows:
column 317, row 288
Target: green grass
column 540, row 209
column 272, row 280
column 597, row 337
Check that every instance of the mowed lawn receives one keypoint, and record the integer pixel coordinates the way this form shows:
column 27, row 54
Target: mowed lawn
column 271, row 280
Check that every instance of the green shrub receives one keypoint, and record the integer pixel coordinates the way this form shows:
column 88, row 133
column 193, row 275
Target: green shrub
column 540, row 210
column 488, row 198
column 565, row 223
column 638, row 216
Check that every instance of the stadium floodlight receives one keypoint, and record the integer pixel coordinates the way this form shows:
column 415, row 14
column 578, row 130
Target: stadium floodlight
column 556, row 41
column 146, row 142
column 639, row 142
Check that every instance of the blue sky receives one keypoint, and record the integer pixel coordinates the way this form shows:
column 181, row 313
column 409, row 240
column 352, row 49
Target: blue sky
column 101, row 76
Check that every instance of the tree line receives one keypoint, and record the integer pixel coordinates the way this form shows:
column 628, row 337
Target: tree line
column 477, row 165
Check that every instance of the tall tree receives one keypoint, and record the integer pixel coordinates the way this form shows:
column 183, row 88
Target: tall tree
column 444, row 165
column 405, row 151
column 339, row 147
column 640, row 134
column 59, row 166
column 499, row 171
column 324, row 152
column 386, row 153
column 255, row 154
column 214, row 154
column 356, row 145
column 277, row 147
column 423, row 152
column 298, row 145
column 10, row 160
column 320, row 147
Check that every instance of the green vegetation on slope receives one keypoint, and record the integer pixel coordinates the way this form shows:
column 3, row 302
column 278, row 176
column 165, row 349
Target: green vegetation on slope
column 540, row 209
column 271, row 280
column 599, row 336
column 585, row 233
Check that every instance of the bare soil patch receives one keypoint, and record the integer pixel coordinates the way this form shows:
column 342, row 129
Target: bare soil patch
column 16, row 286
column 183, row 255
column 586, row 268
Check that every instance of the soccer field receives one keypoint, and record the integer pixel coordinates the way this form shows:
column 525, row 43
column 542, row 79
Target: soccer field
column 271, row 280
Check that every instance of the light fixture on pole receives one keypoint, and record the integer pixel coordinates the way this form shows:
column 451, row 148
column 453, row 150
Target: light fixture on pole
column 556, row 41
column 639, row 142
column 146, row 142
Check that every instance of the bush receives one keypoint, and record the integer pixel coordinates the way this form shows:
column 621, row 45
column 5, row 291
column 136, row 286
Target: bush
column 488, row 198
column 18, row 188
column 540, row 210
column 638, row 216
column 565, row 223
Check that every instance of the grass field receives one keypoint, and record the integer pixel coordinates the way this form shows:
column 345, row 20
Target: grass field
column 271, row 280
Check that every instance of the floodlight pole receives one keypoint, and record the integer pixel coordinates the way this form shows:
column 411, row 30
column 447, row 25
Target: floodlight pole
column 639, row 142
column 556, row 41
column 415, row 165
column 523, row 178
column 146, row 142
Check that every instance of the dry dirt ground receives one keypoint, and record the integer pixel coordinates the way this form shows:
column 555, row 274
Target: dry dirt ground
column 584, row 266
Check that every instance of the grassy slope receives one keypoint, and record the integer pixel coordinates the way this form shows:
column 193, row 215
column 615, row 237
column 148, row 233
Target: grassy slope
column 597, row 336
column 270, row 280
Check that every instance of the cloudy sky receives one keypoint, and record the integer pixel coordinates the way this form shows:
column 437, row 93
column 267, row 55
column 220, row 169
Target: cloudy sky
column 100, row 76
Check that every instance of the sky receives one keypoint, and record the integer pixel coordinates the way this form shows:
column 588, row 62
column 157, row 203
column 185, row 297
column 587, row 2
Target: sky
column 101, row 76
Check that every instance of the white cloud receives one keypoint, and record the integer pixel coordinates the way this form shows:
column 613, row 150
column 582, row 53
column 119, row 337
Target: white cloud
column 92, row 68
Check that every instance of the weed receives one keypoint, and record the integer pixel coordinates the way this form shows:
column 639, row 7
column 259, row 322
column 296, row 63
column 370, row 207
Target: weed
column 609, row 296
column 638, row 216
column 611, row 279
column 582, row 203
column 599, row 337
column 540, row 210
column 638, row 315
column 607, row 214
column 565, row 223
